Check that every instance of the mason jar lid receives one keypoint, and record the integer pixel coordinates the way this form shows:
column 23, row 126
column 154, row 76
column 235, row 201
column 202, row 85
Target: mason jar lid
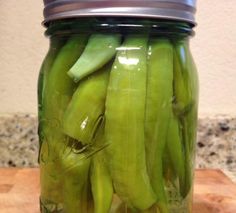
column 180, row 10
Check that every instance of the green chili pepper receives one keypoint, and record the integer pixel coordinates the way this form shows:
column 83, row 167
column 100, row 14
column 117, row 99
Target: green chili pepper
column 100, row 49
column 100, row 178
column 175, row 151
column 59, row 89
column 75, row 170
column 55, row 46
column 50, row 179
column 158, row 109
column 186, row 80
column 186, row 97
column 75, row 165
column 124, row 129
column 85, row 111
column 183, row 98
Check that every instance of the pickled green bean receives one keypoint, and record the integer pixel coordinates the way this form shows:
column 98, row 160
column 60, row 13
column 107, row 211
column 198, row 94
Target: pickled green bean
column 55, row 46
column 75, row 170
column 186, row 98
column 175, row 151
column 124, row 129
column 86, row 108
column 59, row 89
column 100, row 49
column 100, row 178
column 158, row 109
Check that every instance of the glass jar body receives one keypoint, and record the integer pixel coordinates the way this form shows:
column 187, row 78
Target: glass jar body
column 118, row 103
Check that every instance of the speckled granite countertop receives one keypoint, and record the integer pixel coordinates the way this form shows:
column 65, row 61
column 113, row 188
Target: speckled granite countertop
column 18, row 141
column 216, row 144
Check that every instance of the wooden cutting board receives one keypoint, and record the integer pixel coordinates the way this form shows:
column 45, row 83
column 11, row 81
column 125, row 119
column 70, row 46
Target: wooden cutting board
column 19, row 191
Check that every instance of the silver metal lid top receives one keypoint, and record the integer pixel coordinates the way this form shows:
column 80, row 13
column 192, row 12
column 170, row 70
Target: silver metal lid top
column 163, row 9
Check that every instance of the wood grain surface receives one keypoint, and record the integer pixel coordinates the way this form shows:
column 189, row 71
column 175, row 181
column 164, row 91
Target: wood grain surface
column 19, row 191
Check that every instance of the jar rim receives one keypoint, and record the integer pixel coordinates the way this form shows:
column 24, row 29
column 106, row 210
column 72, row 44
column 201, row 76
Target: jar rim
column 178, row 10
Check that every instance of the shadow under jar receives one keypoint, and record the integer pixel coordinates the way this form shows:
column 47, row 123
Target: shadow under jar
column 117, row 103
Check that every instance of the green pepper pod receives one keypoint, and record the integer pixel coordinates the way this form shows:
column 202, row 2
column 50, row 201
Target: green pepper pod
column 59, row 89
column 124, row 129
column 100, row 178
column 86, row 108
column 183, row 94
column 50, row 179
column 192, row 79
column 100, row 49
column 102, row 187
column 55, row 47
column 186, row 96
column 75, row 170
column 158, row 109
column 175, row 151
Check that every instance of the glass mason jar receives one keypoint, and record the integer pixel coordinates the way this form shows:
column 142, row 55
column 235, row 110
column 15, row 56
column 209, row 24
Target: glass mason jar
column 117, row 100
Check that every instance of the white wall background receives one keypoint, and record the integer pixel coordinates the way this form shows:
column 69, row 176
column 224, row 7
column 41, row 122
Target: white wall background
column 23, row 46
